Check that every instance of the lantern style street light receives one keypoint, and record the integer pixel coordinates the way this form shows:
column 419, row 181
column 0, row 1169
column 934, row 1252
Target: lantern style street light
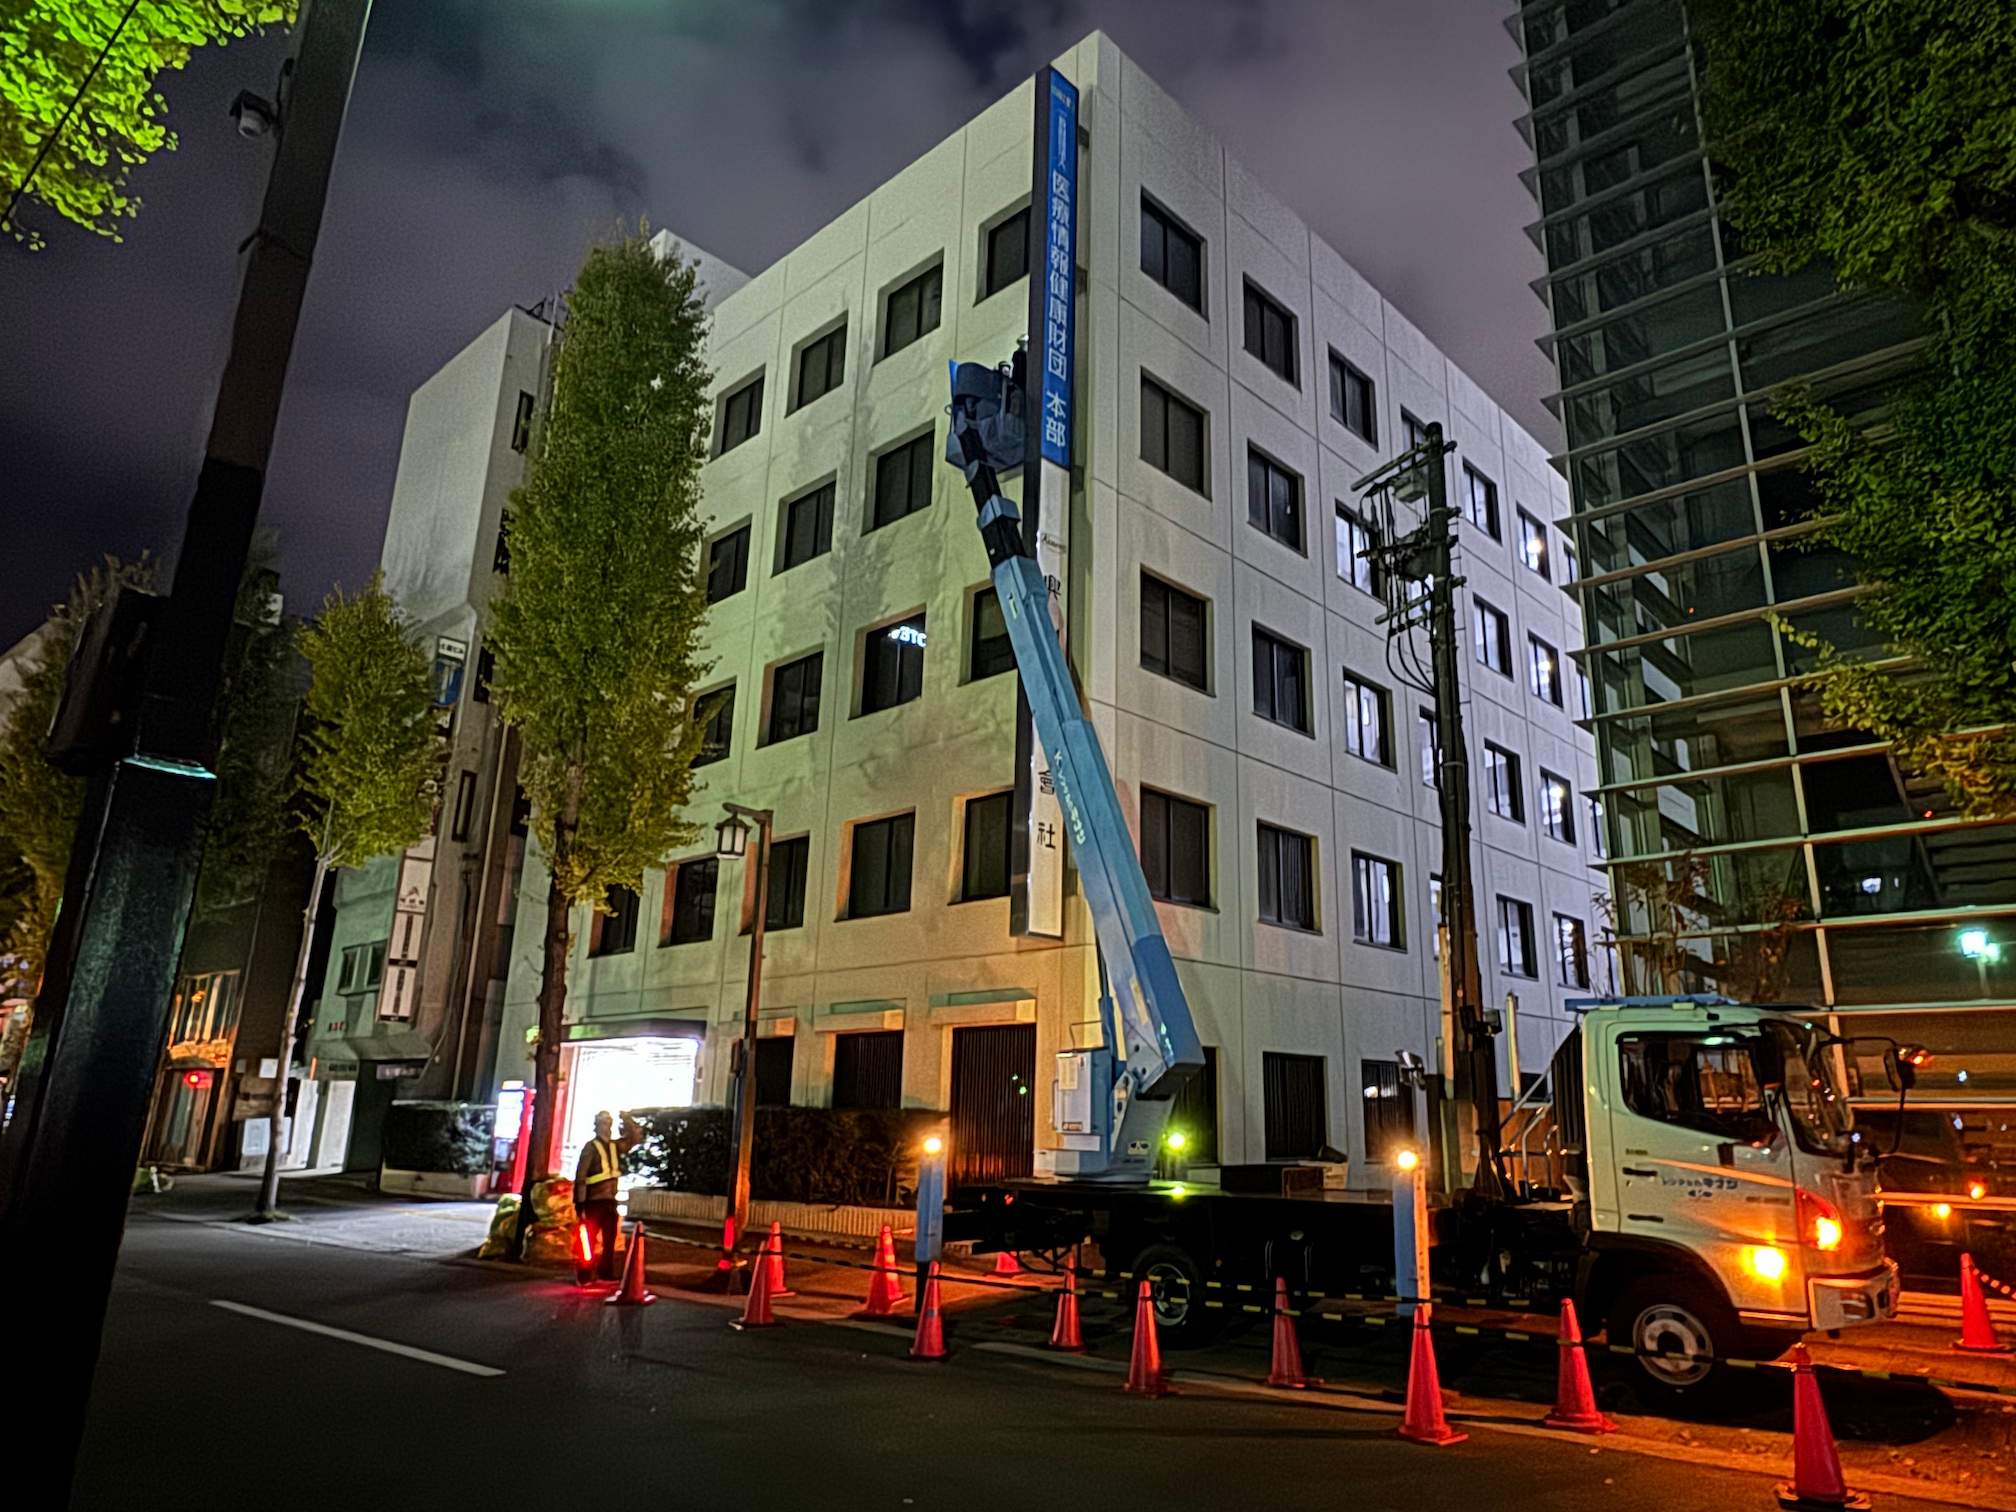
column 731, row 839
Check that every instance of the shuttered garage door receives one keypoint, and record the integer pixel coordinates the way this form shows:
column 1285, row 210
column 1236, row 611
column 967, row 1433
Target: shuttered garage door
column 993, row 1102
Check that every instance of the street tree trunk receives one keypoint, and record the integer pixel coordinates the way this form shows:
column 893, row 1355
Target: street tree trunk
column 552, row 1012
column 269, row 1183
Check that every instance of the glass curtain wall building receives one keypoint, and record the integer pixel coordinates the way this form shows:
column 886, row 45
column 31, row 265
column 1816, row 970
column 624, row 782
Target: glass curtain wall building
column 1751, row 848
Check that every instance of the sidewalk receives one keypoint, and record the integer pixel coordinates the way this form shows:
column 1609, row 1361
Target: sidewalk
column 326, row 1208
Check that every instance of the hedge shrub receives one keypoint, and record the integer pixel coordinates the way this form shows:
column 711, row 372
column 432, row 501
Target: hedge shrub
column 865, row 1157
column 453, row 1137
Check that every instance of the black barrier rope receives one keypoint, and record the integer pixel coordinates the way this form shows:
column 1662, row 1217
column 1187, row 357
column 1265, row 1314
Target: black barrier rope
column 1376, row 1320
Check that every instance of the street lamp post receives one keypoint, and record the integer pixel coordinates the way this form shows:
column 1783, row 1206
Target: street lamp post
column 732, row 839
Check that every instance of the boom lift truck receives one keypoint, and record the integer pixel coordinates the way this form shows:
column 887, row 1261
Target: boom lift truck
column 1686, row 1170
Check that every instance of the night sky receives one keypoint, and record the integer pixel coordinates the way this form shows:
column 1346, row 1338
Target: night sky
column 490, row 141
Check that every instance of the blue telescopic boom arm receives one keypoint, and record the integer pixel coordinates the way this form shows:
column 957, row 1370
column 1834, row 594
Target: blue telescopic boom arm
column 1159, row 1045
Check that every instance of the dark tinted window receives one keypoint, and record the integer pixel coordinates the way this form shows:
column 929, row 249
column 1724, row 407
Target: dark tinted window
column 1172, row 255
column 1515, row 938
column 728, row 565
column 794, row 698
column 789, row 863
column 1480, row 501
column 1375, row 901
column 892, row 665
column 879, row 877
column 1287, row 878
column 1352, row 400
column 912, row 310
column 902, row 481
column 1389, row 1109
column 689, row 902
column 715, row 713
column 521, row 423
column 1292, row 1091
column 808, row 528
column 986, row 851
column 822, row 365
column 1273, row 499
column 1280, row 681
column 1007, row 253
column 1270, row 332
column 991, row 651
column 1173, row 633
column 868, row 1069
column 1172, row 435
column 741, row 415
column 1176, row 848
column 773, row 1070
column 615, row 931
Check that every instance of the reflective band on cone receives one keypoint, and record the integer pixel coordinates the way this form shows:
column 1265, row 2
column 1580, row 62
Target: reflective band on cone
column 930, row 1341
column 632, row 1292
column 1144, row 1366
column 1816, row 1466
column 1064, row 1332
column 1285, row 1367
column 1424, row 1422
column 1977, row 1329
column 1574, row 1398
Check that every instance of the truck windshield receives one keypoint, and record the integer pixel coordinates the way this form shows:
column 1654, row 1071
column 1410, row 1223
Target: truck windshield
column 1820, row 1116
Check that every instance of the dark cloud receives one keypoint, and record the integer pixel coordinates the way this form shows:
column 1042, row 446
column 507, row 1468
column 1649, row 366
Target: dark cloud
column 491, row 141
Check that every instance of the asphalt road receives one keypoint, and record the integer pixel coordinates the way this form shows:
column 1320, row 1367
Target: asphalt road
column 424, row 1382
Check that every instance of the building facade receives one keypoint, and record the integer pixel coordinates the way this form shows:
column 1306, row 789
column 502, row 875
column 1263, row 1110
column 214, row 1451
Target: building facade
column 1234, row 376
column 1753, row 849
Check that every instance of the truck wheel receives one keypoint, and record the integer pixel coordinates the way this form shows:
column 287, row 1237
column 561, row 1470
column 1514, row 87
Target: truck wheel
column 1674, row 1323
column 1181, row 1319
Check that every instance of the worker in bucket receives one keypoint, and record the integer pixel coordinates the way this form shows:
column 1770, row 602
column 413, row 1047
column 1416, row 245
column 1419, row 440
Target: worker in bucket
column 595, row 1192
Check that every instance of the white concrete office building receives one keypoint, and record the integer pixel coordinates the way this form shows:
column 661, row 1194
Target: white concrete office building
column 1234, row 376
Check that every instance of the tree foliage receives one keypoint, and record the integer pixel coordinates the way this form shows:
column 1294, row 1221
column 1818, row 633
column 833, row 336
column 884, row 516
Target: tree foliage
column 39, row 805
column 1878, row 137
column 597, row 633
column 106, row 56
column 368, row 769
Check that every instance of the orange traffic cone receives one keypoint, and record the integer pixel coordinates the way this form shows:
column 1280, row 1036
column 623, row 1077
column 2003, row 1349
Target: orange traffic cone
column 756, row 1311
column 776, row 1249
column 1006, row 1264
column 1423, row 1421
column 1574, row 1398
column 1285, row 1369
column 632, row 1292
column 930, row 1341
column 1977, row 1329
column 1064, row 1332
column 1144, row 1366
column 885, row 1282
column 1816, row 1467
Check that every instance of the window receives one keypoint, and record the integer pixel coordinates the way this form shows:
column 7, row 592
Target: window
column 1389, row 1109
column 1678, row 1079
column 1599, row 837
column 1172, row 254
column 1491, row 637
column 912, row 310
column 715, row 714
column 1351, row 400
column 774, row 1058
column 1173, row 633
column 363, row 969
column 613, row 930
column 808, row 528
column 1557, row 807
column 1532, row 543
column 1502, row 791
column 1356, row 537
column 1172, row 435
column 892, row 665
column 1007, row 253
column 902, row 481
column 1270, row 332
column 1543, row 670
column 741, row 415
column 1435, row 916
column 1515, row 938
column 1176, row 848
column 1273, row 499
column 521, row 423
column 465, row 806
column 1365, row 721
column 822, row 365
column 878, row 879
column 1571, row 952
column 868, row 1069
column 1585, row 707
column 728, row 565
column 1431, row 747
column 1292, row 1089
column 1280, row 681
column 991, row 651
column 1376, row 917
column 500, row 561
column 206, row 1004
column 985, row 873
column 486, row 673
column 1480, row 502
column 1571, row 565
column 1287, row 878
column 689, row 902
column 790, row 863
column 1413, row 429
column 794, row 698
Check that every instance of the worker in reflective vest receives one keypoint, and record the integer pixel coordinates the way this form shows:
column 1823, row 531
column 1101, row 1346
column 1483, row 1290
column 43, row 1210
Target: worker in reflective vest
column 595, row 1192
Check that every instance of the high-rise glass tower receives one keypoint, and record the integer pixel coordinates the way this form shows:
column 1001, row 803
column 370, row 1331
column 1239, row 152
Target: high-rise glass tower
column 1752, row 849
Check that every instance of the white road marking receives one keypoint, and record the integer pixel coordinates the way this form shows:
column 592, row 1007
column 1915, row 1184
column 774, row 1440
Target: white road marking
column 389, row 1346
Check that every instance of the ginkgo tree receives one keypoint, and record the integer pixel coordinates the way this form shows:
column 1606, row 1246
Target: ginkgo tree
column 597, row 635
column 80, row 102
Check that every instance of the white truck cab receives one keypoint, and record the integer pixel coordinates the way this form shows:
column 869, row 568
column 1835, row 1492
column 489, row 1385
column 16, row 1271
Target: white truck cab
column 1728, row 1205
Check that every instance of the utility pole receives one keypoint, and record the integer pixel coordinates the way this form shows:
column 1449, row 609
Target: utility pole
column 70, row 1152
column 1420, row 583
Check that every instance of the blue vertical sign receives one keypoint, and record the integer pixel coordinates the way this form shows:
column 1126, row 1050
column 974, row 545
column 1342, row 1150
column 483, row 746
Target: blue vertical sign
column 1060, row 263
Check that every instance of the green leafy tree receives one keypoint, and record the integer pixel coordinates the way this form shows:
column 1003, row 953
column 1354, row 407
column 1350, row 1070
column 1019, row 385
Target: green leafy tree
column 597, row 633
column 39, row 805
column 368, row 772
column 79, row 106
column 1878, row 138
